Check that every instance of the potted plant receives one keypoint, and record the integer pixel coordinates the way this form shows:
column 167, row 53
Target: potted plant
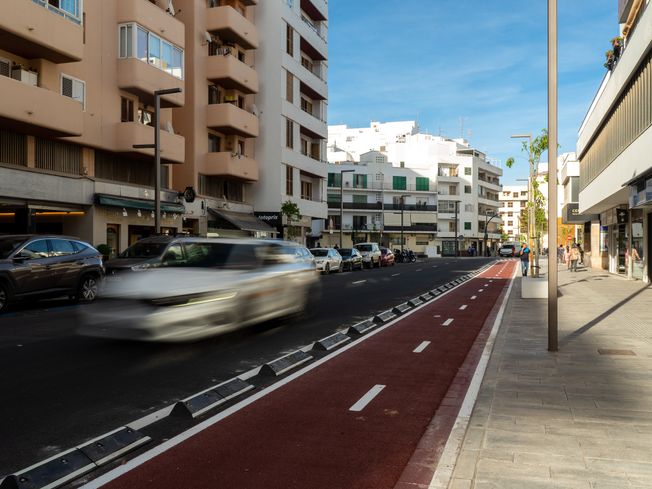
column 617, row 44
column 609, row 64
column 105, row 250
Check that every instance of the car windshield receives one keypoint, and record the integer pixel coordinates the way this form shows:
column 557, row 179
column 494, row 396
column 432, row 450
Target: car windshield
column 144, row 250
column 364, row 247
column 9, row 245
column 319, row 252
column 346, row 252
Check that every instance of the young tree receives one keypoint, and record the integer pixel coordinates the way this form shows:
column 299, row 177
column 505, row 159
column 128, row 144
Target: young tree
column 291, row 212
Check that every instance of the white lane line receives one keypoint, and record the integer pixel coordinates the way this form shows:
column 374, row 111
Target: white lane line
column 480, row 290
column 474, row 297
column 396, row 275
column 358, row 282
column 421, row 347
column 447, row 322
column 437, row 316
column 418, row 269
column 434, row 266
column 367, row 398
column 463, row 307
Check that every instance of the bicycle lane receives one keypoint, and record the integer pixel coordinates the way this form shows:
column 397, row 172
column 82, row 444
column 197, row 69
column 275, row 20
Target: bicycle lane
column 352, row 422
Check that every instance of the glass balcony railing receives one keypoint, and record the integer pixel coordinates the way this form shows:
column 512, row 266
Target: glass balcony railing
column 68, row 9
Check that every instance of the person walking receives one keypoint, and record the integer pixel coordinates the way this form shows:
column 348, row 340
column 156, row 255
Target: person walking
column 567, row 257
column 581, row 250
column 525, row 258
column 574, row 258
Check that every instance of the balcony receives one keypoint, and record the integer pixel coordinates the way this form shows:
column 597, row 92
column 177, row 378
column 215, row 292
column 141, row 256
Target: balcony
column 39, row 111
column 173, row 148
column 315, row 9
column 34, row 29
column 231, row 27
column 231, row 119
column 143, row 79
column 153, row 18
column 229, row 165
column 231, row 73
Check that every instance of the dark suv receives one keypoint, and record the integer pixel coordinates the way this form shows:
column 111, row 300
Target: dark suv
column 47, row 266
column 147, row 253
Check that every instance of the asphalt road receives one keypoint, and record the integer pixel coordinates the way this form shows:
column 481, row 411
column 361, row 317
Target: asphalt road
column 60, row 389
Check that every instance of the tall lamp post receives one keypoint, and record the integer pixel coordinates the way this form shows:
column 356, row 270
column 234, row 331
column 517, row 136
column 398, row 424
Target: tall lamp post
column 402, row 208
column 552, row 174
column 342, row 172
column 531, row 225
column 486, row 224
column 157, row 154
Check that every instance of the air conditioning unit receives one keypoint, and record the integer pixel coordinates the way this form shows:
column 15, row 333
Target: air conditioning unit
column 25, row 76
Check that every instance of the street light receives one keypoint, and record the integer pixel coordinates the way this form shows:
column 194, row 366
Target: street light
column 157, row 154
column 486, row 224
column 402, row 207
column 531, row 227
column 342, row 202
column 552, row 173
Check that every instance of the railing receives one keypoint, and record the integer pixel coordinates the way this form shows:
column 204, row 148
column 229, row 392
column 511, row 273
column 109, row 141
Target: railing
column 386, row 186
column 63, row 13
column 311, row 24
column 378, row 206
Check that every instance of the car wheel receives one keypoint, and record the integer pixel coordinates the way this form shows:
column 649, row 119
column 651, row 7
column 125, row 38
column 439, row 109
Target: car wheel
column 339, row 269
column 327, row 269
column 88, row 289
column 4, row 298
column 378, row 263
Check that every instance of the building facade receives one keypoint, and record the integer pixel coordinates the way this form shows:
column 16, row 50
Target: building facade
column 468, row 185
column 513, row 202
column 615, row 153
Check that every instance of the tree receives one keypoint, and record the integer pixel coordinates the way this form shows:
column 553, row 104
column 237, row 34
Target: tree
column 291, row 212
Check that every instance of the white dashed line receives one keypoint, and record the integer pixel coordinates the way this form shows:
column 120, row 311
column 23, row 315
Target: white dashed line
column 367, row 398
column 421, row 347
column 358, row 282
column 480, row 290
column 474, row 297
column 396, row 275
column 463, row 307
column 434, row 266
column 447, row 322
column 418, row 270
column 437, row 316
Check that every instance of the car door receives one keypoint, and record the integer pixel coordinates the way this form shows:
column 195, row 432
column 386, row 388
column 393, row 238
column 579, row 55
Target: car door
column 65, row 266
column 31, row 272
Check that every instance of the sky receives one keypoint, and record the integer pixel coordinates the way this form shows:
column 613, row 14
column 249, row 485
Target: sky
column 481, row 62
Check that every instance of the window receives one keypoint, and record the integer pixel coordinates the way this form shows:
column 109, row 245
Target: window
column 126, row 109
column 304, row 146
column 35, row 250
column 306, row 106
column 289, row 180
column 399, row 183
column 241, row 147
column 468, row 170
column 451, row 227
column 467, row 189
column 423, row 184
column 150, row 48
column 359, row 222
column 214, row 143
column 510, row 214
column 360, row 181
column 333, row 198
column 523, row 194
column 510, row 204
column 13, row 148
column 61, row 247
column 468, row 207
column 58, row 156
column 146, row 117
column 289, row 87
column 467, row 226
column 214, row 94
column 515, row 194
column 289, row 33
column 334, row 179
column 510, row 223
column 73, row 88
column 359, row 199
column 289, row 133
column 306, row 190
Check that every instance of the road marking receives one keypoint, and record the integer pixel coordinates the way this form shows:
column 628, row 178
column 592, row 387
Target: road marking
column 447, row 322
column 437, row 316
column 396, row 275
column 434, row 266
column 463, row 307
column 480, row 290
column 367, row 398
column 421, row 347
column 359, row 282
column 474, row 297
column 418, row 269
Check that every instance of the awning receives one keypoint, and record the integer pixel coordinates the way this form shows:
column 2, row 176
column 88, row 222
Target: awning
column 242, row 221
column 144, row 205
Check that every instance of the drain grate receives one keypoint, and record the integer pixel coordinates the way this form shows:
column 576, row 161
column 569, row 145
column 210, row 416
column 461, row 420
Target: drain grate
column 609, row 351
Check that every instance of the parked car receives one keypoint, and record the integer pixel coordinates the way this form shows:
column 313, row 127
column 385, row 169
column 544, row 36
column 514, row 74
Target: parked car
column 387, row 257
column 327, row 260
column 219, row 285
column 147, row 253
column 33, row 266
column 351, row 259
column 507, row 250
column 371, row 255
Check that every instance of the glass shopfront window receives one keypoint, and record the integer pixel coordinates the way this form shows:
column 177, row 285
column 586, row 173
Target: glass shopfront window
column 150, row 49
column 637, row 250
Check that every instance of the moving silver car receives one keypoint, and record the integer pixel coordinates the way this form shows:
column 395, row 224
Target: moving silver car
column 213, row 286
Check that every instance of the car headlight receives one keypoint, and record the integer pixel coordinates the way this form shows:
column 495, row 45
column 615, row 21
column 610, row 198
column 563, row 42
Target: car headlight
column 193, row 299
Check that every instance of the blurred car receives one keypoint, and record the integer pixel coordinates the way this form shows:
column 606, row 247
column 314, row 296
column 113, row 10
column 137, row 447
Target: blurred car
column 371, row 255
column 146, row 253
column 327, row 259
column 507, row 250
column 33, row 266
column 351, row 259
column 387, row 257
column 219, row 285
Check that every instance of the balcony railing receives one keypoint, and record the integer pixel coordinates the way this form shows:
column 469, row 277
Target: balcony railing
column 386, row 186
column 71, row 16
column 312, row 26
column 378, row 206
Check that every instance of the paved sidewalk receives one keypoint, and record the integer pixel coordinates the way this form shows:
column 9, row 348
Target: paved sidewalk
column 578, row 418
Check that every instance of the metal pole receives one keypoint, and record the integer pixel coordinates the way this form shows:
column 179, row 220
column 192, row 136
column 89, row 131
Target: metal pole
column 382, row 207
column 157, row 157
column 552, row 175
column 457, row 243
column 402, row 207
column 341, row 206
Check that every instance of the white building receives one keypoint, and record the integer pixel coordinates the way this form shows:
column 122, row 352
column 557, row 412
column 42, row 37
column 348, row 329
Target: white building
column 465, row 179
column 513, row 201
column 292, row 105
column 615, row 152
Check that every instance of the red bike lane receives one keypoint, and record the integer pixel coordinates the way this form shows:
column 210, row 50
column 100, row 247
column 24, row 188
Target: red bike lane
column 351, row 422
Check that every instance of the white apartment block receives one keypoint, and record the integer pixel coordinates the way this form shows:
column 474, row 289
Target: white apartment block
column 465, row 180
column 292, row 106
column 513, row 201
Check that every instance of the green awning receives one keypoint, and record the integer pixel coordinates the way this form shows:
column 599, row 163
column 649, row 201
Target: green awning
column 143, row 205
column 242, row 221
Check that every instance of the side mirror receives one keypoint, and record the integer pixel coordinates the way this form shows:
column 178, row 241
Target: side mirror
column 19, row 258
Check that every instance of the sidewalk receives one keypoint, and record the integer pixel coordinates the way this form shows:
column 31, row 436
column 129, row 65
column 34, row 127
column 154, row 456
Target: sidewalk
column 578, row 418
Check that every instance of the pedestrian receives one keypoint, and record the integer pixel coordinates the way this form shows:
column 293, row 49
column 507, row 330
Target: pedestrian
column 336, row 247
column 581, row 250
column 525, row 258
column 560, row 253
column 567, row 257
column 574, row 257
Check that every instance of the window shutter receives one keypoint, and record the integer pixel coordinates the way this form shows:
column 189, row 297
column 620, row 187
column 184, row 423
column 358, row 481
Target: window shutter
column 5, row 68
column 66, row 87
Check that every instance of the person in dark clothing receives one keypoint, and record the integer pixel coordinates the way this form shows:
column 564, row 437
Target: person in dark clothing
column 525, row 258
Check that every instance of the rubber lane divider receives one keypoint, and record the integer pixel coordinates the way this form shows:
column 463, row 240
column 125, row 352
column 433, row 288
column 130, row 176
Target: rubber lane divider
column 199, row 403
column 385, row 317
column 286, row 363
column 331, row 342
column 415, row 302
column 71, row 464
column 361, row 328
column 401, row 308
column 435, row 292
column 426, row 297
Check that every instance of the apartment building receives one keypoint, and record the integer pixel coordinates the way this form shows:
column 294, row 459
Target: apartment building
column 615, row 147
column 513, row 202
column 292, row 106
column 77, row 81
column 468, row 185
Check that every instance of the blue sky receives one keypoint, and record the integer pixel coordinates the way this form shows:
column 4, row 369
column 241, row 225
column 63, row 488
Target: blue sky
column 485, row 61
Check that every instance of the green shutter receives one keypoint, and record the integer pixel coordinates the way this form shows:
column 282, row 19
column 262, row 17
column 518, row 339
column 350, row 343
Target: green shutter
column 334, row 179
column 359, row 199
column 399, row 183
column 423, row 183
column 364, row 181
column 333, row 197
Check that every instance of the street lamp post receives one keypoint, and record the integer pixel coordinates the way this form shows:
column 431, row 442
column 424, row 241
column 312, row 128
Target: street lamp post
column 342, row 172
column 402, row 208
column 552, row 174
column 531, row 226
column 486, row 224
column 157, row 154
